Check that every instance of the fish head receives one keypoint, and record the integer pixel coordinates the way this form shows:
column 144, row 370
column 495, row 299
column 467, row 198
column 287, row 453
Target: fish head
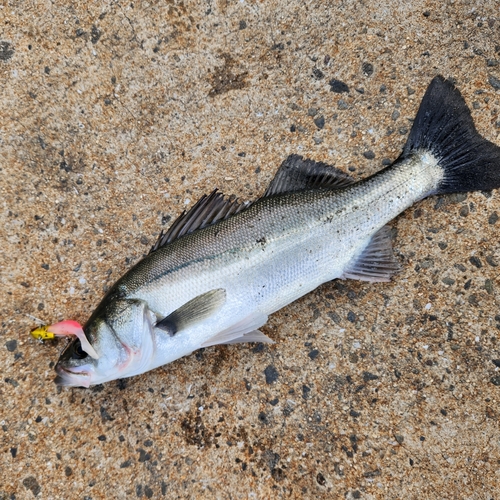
column 121, row 333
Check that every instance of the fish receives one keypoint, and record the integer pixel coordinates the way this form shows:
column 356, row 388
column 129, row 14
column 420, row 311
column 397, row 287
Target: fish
column 224, row 266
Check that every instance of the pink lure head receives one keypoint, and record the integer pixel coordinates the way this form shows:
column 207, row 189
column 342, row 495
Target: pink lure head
column 70, row 327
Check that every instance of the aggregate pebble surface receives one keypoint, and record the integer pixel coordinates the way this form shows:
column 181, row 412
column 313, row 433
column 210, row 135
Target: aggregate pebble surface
column 114, row 117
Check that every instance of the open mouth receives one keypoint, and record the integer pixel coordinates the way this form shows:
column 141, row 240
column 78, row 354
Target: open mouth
column 71, row 378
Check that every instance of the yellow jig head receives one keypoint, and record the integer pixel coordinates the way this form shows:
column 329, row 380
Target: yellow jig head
column 42, row 333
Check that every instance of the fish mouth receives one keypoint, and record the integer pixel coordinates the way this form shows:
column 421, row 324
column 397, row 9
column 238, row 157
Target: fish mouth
column 70, row 378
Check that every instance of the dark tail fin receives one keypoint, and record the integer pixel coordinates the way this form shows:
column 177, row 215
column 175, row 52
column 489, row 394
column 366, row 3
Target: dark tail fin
column 444, row 127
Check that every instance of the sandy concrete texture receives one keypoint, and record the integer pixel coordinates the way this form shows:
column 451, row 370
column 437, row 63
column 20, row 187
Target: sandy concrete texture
column 114, row 117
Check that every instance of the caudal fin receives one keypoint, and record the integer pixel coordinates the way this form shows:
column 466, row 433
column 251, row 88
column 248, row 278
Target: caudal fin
column 444, row 127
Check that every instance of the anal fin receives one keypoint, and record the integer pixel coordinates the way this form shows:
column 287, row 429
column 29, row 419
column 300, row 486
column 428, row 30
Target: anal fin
column 376, row 262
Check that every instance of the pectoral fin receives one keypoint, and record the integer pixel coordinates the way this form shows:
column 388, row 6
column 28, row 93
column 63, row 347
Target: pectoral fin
column 194, row 311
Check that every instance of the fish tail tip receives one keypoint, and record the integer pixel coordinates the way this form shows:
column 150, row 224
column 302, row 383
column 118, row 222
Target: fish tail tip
column 444, row 127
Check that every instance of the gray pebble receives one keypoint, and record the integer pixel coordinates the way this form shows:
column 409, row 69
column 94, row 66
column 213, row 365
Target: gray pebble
column 488, row 286
column 427, row 264
column 313, row 354
column 367, row 376
column 319, row 121
column 494, row 82
column 317, row 73
column 473, row 300
column 342, row 104
column 271, row 374
column 464, row 211
column 367, row 69
column 491, row 261
column 11, row 345
column 475, row 262
column 30, row 483
column 457, row 197
column 338, row 86
column 305, row 391
column 6, row 51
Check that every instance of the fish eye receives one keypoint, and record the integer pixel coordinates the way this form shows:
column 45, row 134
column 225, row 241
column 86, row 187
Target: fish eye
column 78, row 352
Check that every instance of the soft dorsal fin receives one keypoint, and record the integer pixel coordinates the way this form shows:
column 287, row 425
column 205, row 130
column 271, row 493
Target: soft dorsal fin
column 208, row 210
column 376, row 262
column 297, row 174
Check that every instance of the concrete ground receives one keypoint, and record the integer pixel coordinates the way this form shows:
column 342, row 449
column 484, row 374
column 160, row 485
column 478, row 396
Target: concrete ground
column 114, row 117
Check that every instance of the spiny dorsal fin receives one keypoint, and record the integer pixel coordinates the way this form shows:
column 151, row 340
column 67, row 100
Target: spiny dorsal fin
column 297, row 174
column 208, row 210
column 376, row 262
